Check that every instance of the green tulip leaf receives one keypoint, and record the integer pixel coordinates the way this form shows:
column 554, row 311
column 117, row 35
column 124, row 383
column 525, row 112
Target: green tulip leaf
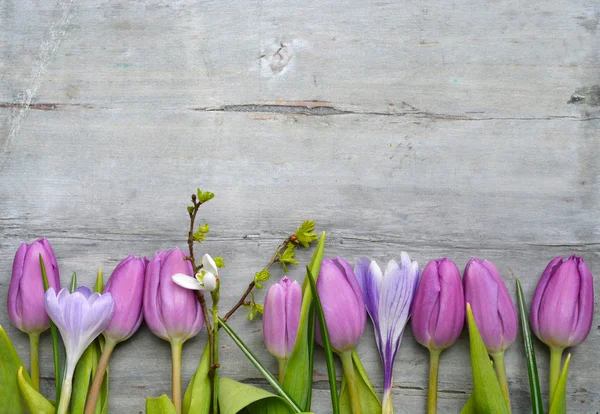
column 261, row 368
column 534, row 380
column 82, row 381
column 486, row 388
column 58, row 352
column 35, row 402
column 326, row 343
column 197, row 395
column 369, row 401
column 10, row 363
column 297, row 378
column 235, row 397
column 160, row 405
column 558, row 405
column 469, row 407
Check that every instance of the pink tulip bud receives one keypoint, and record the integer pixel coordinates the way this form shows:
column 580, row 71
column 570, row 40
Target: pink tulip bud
column 281, row 317
column 563, row 305
column 126, row 285
column 493, row 309
column 343, row 304
column 171, row 312
column 438, row 312
column 26, row 291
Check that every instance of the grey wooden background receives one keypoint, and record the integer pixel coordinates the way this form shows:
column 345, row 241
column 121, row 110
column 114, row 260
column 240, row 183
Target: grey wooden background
column 443, row 128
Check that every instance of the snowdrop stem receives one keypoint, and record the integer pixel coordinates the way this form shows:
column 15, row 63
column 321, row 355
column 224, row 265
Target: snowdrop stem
column 176, row 347
column 92, row 399
column 434, row 362
column 348, row 368
column 34, row 342
column 65, row 394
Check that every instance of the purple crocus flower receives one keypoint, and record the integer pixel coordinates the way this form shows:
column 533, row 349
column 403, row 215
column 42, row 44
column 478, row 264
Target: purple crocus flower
column 388, row 298
column 80, row 317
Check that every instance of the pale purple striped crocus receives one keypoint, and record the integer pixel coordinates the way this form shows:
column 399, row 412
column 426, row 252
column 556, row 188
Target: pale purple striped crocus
column 388, row 298
column 80, row 317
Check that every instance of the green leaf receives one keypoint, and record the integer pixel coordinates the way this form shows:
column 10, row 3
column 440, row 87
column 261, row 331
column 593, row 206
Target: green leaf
column 160, row 405
column 558, row 405
column 297, row 379
column 201, row 233
column 73, row 285
column 287, row 257
column 260, row 277
column 99, row 285
column 326, row 343
column 534, row 380
column 235, row 397
column 261, row 368
column 57, row 347
column 83, row 377
column 369, row 401
column 486, row 388
column 190, row 209
column 10, row 363
column 305, row 233
column 204, row 197
column 36, row 403
column 469, row 407
column 197, row 396
column 219, row 261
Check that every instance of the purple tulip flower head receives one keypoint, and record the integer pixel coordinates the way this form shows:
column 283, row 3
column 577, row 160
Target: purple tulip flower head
column 281, row 317
column 388, row 297
column 563, row 305
column 126, row 285
column 26, row 290
column 343, row 305
column 172, row 312
column 80, row 317
column 439, row 307
column 492, row 306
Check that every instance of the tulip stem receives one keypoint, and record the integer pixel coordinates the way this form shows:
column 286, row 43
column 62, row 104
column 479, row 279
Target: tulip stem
column 176, row 347
column 65, row 394
column 34, row 359
column 92, row 399
column 348, row 368
column 501, row 372
column 555, row 362
column 434, row 363
column 281, row 365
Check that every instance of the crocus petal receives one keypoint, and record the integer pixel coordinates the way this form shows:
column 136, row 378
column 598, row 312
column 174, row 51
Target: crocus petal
column 397, row 291
column 186, row 281
column 209, row 264
column 369, row 276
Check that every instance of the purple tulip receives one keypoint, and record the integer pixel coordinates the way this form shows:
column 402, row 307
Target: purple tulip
column 493, row 309
column 343, row 304
column 171, row 312
column 439, row 307
column 26, row 290
column 281, row 317
column 80, row 317
column 563, row 305
column 126, row 285
column 389, row 301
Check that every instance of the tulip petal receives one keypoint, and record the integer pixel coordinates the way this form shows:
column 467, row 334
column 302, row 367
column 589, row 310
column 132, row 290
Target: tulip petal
column 14, row 288
column 586, row 304
column 274, row 325
column 186, row 281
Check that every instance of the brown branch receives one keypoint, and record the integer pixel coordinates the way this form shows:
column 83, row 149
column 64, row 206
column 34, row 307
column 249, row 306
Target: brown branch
column 273, row 260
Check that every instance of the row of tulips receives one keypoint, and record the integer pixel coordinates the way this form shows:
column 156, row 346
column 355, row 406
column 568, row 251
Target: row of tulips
column 561, row 312
column 161, row 292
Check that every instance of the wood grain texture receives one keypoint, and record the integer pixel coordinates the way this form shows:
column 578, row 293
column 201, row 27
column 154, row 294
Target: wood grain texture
column 446, row 128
